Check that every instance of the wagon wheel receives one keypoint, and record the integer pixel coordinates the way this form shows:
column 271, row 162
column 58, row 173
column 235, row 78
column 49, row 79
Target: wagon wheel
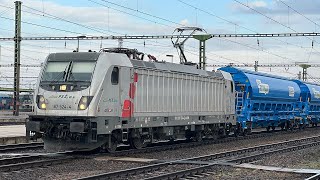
column 236, row 132
column 112, row 145
column 268, row 129
column 244, row 132
column 249, row 131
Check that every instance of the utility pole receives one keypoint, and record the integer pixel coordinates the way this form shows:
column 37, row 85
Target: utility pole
column 17, row 41
column 202, row 49
column 78, row 38
column 299, row 75
column 120, row 43
column 304, row 71
column 256, row 66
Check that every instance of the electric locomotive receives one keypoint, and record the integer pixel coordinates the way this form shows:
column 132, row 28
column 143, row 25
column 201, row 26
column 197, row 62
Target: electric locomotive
column 90, row 100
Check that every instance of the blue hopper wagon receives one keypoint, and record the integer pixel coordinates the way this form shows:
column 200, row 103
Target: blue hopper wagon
column 264, row 100
column 309, row 102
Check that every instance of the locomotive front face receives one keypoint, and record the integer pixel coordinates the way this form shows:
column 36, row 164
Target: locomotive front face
column 65, row 84
column 68, row 92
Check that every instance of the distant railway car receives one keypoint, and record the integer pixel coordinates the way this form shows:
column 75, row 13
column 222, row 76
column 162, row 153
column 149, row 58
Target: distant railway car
column 264, row 100
column 87, row 100
column 5, row 101
column 309, row 103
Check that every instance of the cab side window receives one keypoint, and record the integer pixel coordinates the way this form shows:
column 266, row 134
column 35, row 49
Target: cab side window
column 115, row 76
column 231, row 83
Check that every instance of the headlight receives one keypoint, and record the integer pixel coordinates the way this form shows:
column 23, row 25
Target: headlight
column 41, row 102
column 84, row 102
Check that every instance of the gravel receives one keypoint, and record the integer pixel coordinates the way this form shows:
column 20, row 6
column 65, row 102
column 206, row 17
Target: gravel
column 22, row 152
column 164, row 170
column 308, row 158
column 226, row 172
column 70, row 170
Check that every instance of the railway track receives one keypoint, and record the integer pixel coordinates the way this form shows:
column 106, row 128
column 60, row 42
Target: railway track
column 184, row 144
column 30, row 161
column 202, row 165
column 22, row 146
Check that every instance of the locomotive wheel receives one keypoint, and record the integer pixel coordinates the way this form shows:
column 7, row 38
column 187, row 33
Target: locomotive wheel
column 273, row 128
column 188, row 135
column 111, row 148
column 198, row 137
column 138, row 143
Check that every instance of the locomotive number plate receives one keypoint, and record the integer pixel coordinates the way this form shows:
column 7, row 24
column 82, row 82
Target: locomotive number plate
column 61, row 106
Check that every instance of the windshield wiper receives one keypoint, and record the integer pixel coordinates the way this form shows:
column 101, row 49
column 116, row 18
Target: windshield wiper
column 58, row 78
column 71, row 77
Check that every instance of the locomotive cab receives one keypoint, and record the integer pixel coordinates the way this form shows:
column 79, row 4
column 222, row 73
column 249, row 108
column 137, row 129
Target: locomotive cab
column 68, row 93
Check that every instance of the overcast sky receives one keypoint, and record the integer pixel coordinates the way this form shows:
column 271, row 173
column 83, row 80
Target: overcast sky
column 158, row 17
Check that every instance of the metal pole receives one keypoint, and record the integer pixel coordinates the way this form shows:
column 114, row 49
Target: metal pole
column 304, row 74
column 256, row 66
column 17, row 41
column 78, row 37
column 120, row 43
column 304, row 71
column 202, row 49
column 78, row 46
column 170, row 55
column 299, row 75
column 202, row 55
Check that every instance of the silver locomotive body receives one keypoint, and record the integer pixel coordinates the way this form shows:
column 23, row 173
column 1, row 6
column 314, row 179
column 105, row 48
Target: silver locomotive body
column 89, row 100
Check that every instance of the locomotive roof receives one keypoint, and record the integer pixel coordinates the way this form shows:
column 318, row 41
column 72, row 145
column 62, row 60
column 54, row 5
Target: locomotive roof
column 166, row 66
column 79, row 56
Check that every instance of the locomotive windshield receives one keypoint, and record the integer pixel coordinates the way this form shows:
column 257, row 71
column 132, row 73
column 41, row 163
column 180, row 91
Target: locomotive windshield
column 68, row 71
column 55, row 71
column 81, row 71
